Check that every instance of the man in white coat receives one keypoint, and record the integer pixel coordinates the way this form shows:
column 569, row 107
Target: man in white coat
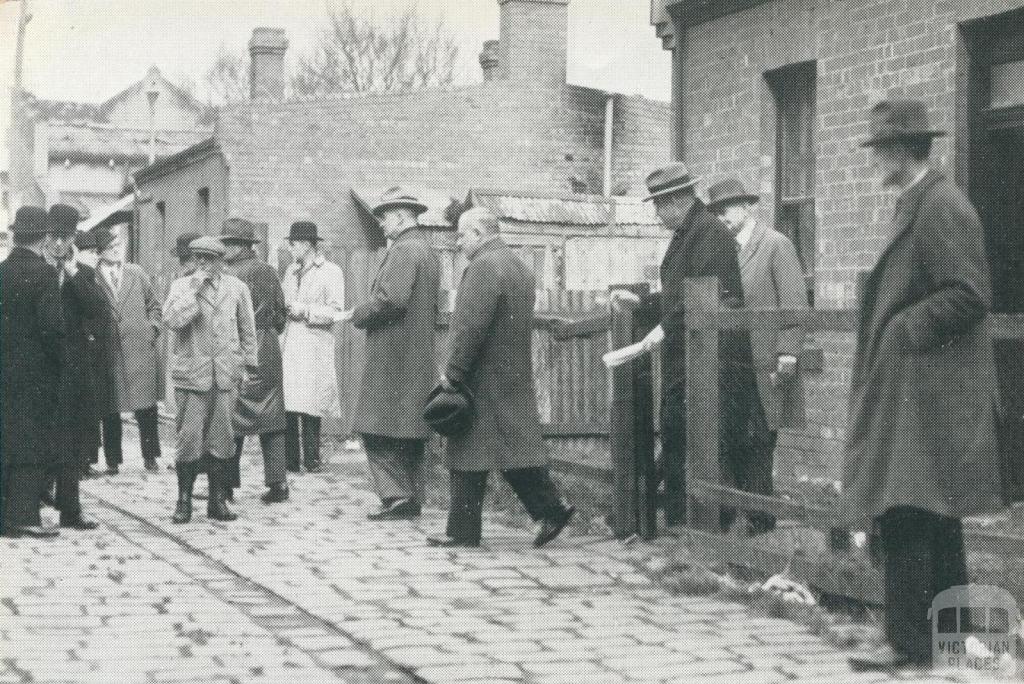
column 314, row 294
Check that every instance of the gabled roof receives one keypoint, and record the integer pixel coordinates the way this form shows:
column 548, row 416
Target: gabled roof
column 95, row 141
column 569, row 210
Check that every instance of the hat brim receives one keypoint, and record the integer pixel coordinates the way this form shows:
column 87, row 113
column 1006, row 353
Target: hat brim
column 417, row 207
column 672, row 188
column 902, row 137
column 234, row 238
column 734, row 199
column 211, row 252
column 304, row 239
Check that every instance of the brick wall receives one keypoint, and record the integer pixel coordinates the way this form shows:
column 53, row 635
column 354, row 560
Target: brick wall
column 866, row 50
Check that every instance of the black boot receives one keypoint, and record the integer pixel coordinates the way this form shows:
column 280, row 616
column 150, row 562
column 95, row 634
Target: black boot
column 311, row 443
column 186, row 480
column 292, row 448
column 216, row 508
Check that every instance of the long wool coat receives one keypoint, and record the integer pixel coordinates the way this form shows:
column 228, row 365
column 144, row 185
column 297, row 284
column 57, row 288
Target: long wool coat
column 492, row 354
column 310, row 375
column 31, row 334
column 400, row 321
column 772, row 279
column 922, row 405
column 260, row 406
column 135, row 310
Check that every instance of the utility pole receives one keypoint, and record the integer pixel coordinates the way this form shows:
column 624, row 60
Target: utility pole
column 19, row 165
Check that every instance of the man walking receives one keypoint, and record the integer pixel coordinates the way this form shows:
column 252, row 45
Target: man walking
column 400, row 320
column 921, row 451
column 32, row 331
column 314, row 294
column 210, row 314
column 492, row 359
column 136, row 314
column 700, row 247
column 772, row 279
column 260, row 409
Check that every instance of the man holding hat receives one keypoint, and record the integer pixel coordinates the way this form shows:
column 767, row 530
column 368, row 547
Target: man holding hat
column 32, row 330
column 400, row 320
column 772, row 279
column 210, row 314
column 700, row 247
column 260, row 409
column 921, row 449
column 314, row 294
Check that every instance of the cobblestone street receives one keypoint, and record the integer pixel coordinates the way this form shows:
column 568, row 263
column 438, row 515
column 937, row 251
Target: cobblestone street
column 310, row 591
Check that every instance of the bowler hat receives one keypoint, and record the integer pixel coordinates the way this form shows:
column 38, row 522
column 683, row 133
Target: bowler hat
column 63, row 220
column 729, row 191
column 104, row 236
column 668, row 179
column 398, row 197
column 30, row 221
column 86, row 239
column 303, row 231
column 449, row 413
column 899, row 120
column 181, row 248
column 238, row 230
column 207, row 245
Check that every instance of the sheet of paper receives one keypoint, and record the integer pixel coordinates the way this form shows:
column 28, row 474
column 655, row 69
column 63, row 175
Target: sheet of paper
column 621, row 356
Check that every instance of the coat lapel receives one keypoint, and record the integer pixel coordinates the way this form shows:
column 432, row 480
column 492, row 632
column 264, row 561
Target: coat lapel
column 748, row 250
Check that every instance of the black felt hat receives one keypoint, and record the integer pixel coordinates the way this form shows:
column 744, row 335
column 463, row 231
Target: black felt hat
column 899, row 120
column 63, row 220
column 30, row 221
column 449, row 413
column 303, row 231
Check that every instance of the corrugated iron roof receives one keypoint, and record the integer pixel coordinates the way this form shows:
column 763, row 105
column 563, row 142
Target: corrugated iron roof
column 585, row 210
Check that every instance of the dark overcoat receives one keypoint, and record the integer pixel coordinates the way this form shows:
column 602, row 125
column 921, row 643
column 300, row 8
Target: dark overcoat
column 136, row 313
column 261, row 399
column 400, row 320
column 492, row 354
column 31, row 338
column 922, row 429
column 772, row 279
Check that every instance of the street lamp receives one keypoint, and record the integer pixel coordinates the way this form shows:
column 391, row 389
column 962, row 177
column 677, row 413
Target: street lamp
column 152, row 93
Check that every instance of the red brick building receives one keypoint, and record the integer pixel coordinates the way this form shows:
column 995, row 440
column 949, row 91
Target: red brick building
column 777, row 93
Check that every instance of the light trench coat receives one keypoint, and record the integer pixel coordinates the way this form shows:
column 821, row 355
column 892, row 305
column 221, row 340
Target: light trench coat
column 308, row 347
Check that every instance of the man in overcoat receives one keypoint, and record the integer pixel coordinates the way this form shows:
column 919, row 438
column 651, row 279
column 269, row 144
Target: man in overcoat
column 700, row 247
column 260, row 409
column 492, row 357
column 314, row 294
column 214, row 348
column 136, row 314
column 921, row 450
column 32, row 331
column 400, row 320
column 772, row 279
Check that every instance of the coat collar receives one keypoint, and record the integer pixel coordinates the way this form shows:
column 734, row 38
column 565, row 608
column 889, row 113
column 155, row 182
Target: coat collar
column 906, row 210
column 748, row 250
column 488, row 245
column 22, row 254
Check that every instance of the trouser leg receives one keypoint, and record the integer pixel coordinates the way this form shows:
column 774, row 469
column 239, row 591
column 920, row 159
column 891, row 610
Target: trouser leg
column 758, row 477
column 233, row 467
column 673, row 455
column 89, row 446
column 536, row 490
column 112, row 440
column 311, row 441
column 465, row 517
column 395, row 466
column 69, row 502
column 293, row 450
column 23, row 486
column 149, row 432
column 274, row 471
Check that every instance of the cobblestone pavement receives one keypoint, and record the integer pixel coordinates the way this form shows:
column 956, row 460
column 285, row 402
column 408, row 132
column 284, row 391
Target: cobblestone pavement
column 310, row 591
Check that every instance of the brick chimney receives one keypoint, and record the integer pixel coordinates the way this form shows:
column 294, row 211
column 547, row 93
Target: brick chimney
column 532, row 43
column 489, row 60
column 266, row 63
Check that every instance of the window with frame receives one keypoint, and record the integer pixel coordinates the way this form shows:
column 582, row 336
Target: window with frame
column 795, row 90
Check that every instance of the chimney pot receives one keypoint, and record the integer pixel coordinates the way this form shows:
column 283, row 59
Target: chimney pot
column 266, row 63
column 489, row 60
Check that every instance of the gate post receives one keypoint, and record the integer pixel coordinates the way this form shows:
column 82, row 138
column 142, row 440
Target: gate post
column 700, row 301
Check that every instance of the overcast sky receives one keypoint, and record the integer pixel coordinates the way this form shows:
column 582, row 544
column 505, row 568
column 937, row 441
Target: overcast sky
column 88, row 50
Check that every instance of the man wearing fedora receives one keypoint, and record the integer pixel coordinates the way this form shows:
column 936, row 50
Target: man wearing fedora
column 314, row 294
column 260, row 409
column 700, row 247
column 214, row 348
column 32, row 330
column 492, row 358
column 921, row 448
column 772, row 279
column 400, row 319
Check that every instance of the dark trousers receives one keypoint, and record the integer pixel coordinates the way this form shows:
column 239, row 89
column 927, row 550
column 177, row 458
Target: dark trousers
column 274, row 471
column 149, row 435
column 68, row 475
column 309, row 451
column 22, row 490
column 533, row 486
column 756, row 475
column 924, row 555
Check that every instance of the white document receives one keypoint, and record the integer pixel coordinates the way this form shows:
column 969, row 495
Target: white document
column 621, row 356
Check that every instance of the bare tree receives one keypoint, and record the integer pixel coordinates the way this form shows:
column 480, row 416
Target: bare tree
column 356, row 53
column 227, row 80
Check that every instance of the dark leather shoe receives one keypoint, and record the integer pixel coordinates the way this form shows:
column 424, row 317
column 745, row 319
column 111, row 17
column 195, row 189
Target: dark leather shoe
column 446, row 542
column 182, row 512
column 551, row 527
column 403, row 509
column 79, row 523
column 229, row 494
column 882, row 659
column 33, row 531
column 276, row 493
column 112, row 470
column 150, row 465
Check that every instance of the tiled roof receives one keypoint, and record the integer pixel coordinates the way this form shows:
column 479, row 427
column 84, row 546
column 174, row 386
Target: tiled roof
column 584, row 210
